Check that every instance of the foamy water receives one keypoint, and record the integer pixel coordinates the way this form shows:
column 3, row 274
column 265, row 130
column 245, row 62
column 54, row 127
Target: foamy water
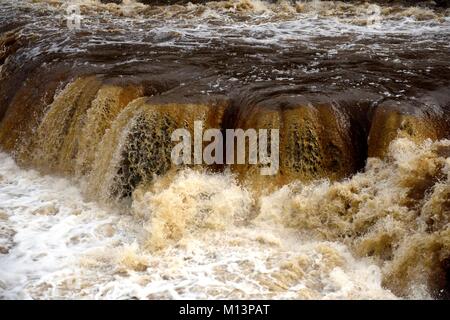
column 64, row 247
column 196, row 237
column 281, row 24
column 84, row 109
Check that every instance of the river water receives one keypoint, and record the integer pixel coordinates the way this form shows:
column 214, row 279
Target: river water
column 91, row 206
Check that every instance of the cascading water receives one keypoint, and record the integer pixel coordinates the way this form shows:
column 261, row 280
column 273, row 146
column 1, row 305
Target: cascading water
column 91, row 204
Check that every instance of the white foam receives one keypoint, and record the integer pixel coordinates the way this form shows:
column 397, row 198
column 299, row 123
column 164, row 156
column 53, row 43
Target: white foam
column 260, row 23
column 66, row 247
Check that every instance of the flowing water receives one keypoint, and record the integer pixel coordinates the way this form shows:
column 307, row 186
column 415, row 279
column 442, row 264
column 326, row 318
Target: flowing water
column 91, row 205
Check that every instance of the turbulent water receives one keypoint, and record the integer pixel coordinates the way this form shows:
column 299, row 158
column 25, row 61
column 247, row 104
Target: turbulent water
column 92, row 207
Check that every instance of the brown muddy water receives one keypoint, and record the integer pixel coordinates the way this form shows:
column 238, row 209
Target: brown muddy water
column 91, row 205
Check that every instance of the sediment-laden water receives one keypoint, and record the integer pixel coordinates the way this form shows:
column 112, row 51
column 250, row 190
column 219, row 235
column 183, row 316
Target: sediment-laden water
column 92, row 206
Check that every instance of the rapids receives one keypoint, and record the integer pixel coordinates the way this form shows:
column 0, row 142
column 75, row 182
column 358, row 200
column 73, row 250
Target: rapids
column 91, row 205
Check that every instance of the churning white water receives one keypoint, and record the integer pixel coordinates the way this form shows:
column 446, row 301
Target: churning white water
column 383, row 232
column 56, row 245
